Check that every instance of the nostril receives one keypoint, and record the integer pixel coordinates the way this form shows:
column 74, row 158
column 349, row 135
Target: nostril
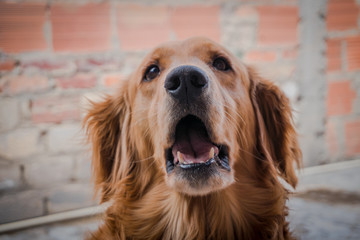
column 198, row 81
column 172, row 84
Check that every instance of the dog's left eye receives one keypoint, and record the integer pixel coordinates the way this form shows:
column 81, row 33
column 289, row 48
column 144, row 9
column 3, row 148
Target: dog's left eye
column 152, row 72
column 221, row 64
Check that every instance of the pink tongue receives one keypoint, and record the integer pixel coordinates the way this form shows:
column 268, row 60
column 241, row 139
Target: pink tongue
column 193, row 144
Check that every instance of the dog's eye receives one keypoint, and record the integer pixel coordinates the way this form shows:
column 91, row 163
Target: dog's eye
column 152, row 72
column 221, row 64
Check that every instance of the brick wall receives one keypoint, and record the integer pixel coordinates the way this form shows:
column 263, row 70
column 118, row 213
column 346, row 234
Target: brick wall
column 56, row 54
column 343, row 79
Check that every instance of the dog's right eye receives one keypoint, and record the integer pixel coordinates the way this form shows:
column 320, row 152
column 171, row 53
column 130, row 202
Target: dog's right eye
column 151, row 73
column 221, row 64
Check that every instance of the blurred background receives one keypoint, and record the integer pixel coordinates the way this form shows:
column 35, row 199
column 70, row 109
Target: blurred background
column 54, row 55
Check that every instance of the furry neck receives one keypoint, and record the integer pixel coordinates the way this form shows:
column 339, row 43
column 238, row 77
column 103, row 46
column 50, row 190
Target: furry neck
column 233, row 213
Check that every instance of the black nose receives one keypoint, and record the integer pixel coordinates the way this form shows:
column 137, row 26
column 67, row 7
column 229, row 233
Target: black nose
column 186, row 83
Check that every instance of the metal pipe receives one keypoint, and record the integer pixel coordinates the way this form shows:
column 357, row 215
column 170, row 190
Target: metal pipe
column 52, row 218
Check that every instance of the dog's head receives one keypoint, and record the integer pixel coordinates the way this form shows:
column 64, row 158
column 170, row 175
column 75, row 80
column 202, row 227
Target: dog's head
column 195, row 116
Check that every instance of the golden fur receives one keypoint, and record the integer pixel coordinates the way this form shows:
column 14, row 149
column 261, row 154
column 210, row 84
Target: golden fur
column 130, row 130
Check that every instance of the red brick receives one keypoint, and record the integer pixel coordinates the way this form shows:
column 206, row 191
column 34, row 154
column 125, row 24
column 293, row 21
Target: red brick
column 55, row 109
column 340, row 98
column 89, row 64
column 23, row 84
column 112, row 80
column 290, row 54
column 81, row 28
column 260, row 56
column 142, row 27
column 196, row 21
column 333, row 55
column 7, row 65
column 353, row 52
column 80, row 80
column 44, row 64
column 247, row 12
column 342, row 15
column 22, row 27
column 332, row 138
column 352, row 134
column 278, row 25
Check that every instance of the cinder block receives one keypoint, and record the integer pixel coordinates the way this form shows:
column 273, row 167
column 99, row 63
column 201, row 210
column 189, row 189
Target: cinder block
column 9, row 176
column 65, row 138
column 39, row 233
column 82, row 167
column 9, row 114
column 26, row 84
column 71, row 196
column 21, row 205
column 25, row 109
column 55, row 109
column 291, row 89
column 49, row 171
column 20, row 143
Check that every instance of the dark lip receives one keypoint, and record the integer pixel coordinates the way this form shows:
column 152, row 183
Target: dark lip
column 221, row 160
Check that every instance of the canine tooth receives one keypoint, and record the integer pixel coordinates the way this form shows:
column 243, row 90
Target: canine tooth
column 180, row 157
column 211, row 153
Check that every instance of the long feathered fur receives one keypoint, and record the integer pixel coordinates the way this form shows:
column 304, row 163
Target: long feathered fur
column 127, row 172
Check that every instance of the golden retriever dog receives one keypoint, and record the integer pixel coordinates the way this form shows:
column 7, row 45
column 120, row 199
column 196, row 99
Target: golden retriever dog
column 192, row 146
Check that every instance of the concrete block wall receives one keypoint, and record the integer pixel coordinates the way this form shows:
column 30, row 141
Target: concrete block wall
column 56, row 54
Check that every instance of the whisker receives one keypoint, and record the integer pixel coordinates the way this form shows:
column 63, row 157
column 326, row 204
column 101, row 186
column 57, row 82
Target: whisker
column 151, row 164
column 233, row 124
column 237, row 114
column 251, row 154
column 145, row 159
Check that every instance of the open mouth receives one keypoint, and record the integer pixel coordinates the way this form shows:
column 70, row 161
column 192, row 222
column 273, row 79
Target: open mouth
column 193, row 149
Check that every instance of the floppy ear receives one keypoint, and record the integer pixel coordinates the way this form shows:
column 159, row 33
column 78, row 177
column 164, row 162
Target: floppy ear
column 106, row 125
column 277, row 137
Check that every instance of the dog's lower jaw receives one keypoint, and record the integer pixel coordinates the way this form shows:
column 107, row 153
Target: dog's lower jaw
column 193, row 187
